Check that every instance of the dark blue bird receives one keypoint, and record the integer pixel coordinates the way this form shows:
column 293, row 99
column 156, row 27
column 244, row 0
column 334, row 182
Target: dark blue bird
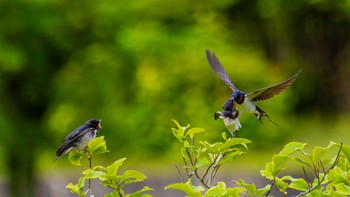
column 247, row 100
column 80, row 137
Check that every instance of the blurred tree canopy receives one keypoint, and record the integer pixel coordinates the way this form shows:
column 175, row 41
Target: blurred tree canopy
column 138, row 64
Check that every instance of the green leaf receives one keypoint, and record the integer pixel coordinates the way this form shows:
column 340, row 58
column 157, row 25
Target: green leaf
column 346, row 151
column 191, row 132
column 113, row 194
column 316, row 193
column 318, row 152
column 109, row 180
column 250, row 187
column 343, row 189
column 75, row 157
column 212, row 148
column 301, row 161
column 81, row 182
column 292, row 147
column 180, row 131
column 231, row 156
column 139, row 192
column 224, row 136
column 235, row 192
column 201, row 161
column 269, row 171
column 279, row 162
column 297, row 184
column 262, row 191
column 131, row 176
column 188, row 188
column 97, row 146
column 235, row 141
column 113, row 168
column 187, row 143
column 100, row 168
column 281, row 185
column 78, row 188
column 92, row 174
column 218, row 190
column 336, row 175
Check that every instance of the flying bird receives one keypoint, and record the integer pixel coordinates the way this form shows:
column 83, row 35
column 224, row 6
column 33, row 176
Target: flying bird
column 230, row 116
column 79, row 138
column 247, row 100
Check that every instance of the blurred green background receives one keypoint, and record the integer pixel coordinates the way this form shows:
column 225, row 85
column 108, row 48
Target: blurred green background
column 138, row 64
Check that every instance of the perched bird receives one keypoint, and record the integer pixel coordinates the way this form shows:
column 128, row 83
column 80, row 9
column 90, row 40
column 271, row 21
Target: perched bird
column 246, row 100
column 230, row 116
column 80, row 137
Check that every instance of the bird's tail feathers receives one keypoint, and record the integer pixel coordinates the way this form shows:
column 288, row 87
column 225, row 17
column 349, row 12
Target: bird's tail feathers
column 58, row 156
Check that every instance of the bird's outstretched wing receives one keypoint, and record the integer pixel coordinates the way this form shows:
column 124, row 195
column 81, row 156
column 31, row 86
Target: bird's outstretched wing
column 219, row 69
column 269, row 92
column 67, row 143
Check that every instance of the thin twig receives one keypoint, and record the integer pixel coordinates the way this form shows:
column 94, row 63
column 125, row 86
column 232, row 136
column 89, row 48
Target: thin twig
column 307, row 178
column 193, row 163
column 273, row 183
column 214, row 168
column 189, row 156
column 178, row 170
column 186, row 168
column 217, row 166
column 206, row 172
column 90, row 165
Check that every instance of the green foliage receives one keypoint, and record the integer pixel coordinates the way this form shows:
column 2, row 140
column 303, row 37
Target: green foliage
column 109, row 176
column 188, row 188
column 77, row 188
column 331, row 173
column 96, row 146
column 203, row 159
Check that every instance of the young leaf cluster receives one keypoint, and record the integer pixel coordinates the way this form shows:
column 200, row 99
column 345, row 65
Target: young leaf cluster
column 109, row 176
column 325, row 173
column 329, row 175
column 202, row 159
column 325, row 170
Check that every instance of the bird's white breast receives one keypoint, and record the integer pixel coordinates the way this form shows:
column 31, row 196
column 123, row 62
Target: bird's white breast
column 86, row 139
column 232, row 124
column 248, row 105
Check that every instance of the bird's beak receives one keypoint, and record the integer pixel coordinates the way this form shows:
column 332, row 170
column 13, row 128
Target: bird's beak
column 99, row 126
column 217, row 115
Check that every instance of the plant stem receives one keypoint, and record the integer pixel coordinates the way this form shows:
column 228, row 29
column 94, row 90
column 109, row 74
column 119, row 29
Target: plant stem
column 89, row 157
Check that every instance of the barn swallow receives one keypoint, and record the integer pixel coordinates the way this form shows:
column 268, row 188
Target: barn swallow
column 247, row 100
column 79, row 138
column 230, row 116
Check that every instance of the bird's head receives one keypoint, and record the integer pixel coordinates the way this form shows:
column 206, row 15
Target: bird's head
column 229, row 105
column 94, row 123
column 217, row 115
column 238, row 96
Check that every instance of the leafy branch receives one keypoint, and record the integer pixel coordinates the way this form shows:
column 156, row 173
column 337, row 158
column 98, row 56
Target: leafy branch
column 108, row 176
column 206, row 157
column 318, row 174
column 323, row 183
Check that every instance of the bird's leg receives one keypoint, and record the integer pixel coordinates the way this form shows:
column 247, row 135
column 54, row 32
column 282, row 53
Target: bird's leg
column 233, row 133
